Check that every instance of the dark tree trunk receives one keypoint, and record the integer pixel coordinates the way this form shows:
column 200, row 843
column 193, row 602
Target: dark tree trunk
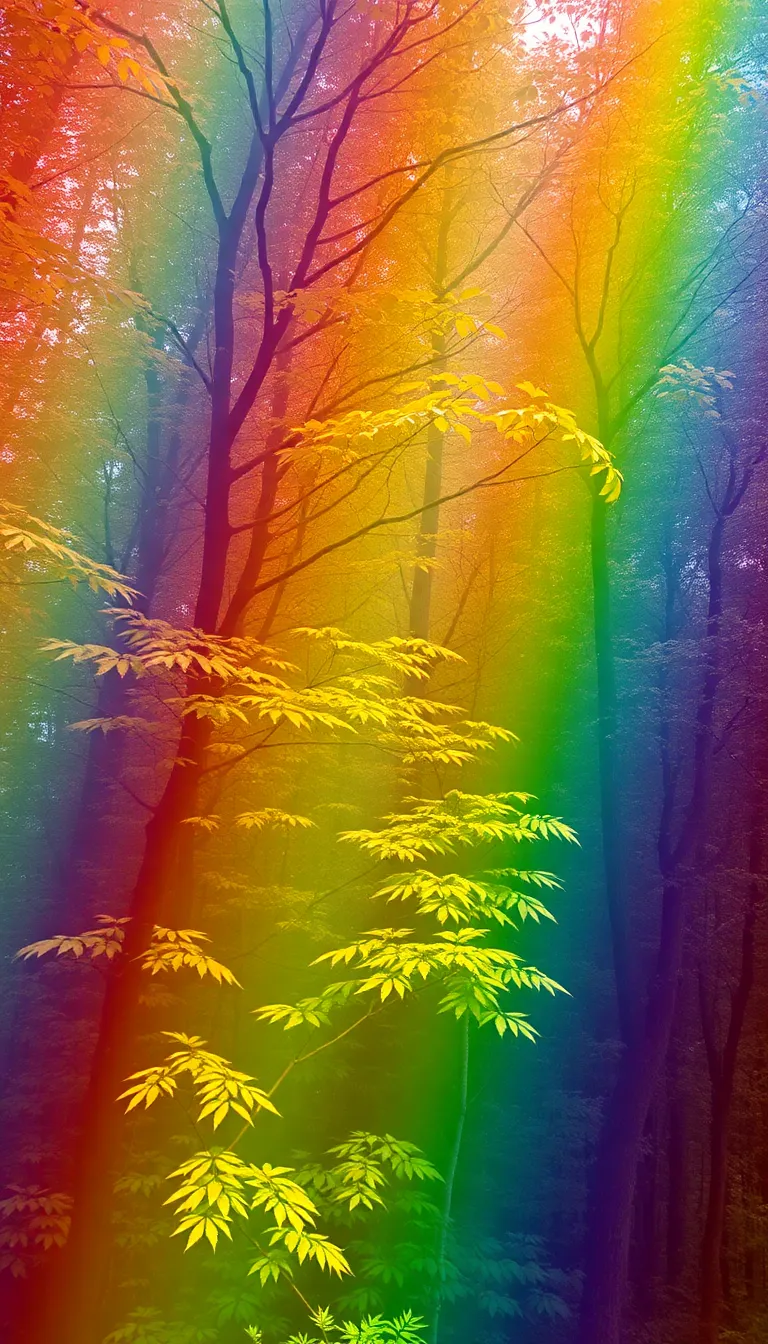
column 74, row 895
column 165, row 457
column 645, row 1256
column 613, row 1184
column 426, row 546
column 261, row 533
column 677, row 1157
column 76, row 1314
column 615, row 1173
column 722, row 1072
column 607, row 723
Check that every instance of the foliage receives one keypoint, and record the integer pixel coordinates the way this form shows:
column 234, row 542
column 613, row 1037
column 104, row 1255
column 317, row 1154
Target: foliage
column 474, row 978
column 218, row 1087
column 29, row 545
column 233, row 681
column 32, row 1220
column 169, row 949
column 685, row 383
column 217, row 1189
column 405, row 1329
column 51, row 32
column 218, row 699
column 457, row 402
column 146, row 1325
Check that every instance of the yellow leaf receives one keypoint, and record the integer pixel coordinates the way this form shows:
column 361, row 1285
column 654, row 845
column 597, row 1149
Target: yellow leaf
column 220, row 1114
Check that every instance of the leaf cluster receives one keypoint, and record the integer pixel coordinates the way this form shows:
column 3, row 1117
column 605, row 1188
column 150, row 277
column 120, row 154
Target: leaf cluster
column 219, row 1088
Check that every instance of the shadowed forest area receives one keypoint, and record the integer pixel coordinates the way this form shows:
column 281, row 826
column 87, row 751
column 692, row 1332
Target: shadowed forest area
column 383, row 597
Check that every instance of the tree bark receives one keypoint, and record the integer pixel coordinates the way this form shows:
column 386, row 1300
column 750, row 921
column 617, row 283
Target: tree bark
column 613, row 1185
column 607, row 724
column 722, row 1072
column 615, row 1173
column 426, row 546
column 677, row 1158
column 75, row 1315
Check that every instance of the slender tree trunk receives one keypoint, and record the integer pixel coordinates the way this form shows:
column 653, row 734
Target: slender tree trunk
column 76, row 1315
column 615, row 1173
column 645, row 1258
column 722, row 1072
column 677, row 1159
column 426, row 549
column 607, row 724
column 160, row 481
column 217, row 534
column 711, row 1289
column 105, row 751
column 426, row 546
column 613, row 1184
column 261, row 534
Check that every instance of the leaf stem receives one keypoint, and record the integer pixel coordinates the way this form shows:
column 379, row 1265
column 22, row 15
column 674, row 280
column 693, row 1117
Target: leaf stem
column 300, row 1059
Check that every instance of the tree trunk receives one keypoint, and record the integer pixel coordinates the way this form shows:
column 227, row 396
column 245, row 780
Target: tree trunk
column 613, row 1184
column 722, row 1071
column 73, row 894
column 615, row 1174
column 426, row 546
column 607, row 722
column 75, row 1314
column 676, row 1190
column 234, row 617
column 645, row 1253
column 711, row 1282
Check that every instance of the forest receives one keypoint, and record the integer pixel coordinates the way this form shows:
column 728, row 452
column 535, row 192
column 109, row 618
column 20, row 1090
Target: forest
column 384, row 682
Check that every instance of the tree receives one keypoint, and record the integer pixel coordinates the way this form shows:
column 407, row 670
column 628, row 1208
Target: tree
column 364, row 61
